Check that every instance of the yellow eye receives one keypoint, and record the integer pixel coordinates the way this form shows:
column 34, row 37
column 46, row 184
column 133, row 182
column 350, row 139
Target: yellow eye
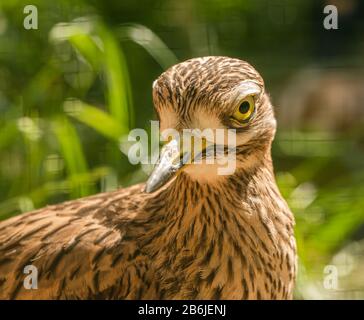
column 245, row 110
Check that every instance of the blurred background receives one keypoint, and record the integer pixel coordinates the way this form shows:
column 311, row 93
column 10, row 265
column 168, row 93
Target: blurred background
column 71, row 90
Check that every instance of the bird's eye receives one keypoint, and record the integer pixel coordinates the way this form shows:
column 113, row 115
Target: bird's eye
column 245, row 110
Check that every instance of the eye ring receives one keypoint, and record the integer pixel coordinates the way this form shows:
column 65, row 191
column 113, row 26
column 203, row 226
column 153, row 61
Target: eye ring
column 244, row 111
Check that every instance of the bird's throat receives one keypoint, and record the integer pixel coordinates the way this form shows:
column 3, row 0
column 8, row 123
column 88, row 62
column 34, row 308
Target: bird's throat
column 221, row 232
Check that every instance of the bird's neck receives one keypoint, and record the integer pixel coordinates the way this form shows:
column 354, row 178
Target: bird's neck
column 189, row 208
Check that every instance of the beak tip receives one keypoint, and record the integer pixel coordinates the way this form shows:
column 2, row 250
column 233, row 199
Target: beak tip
column 165, row 168
column 150, row 186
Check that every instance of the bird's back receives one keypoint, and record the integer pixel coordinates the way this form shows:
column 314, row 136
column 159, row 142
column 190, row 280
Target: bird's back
column 79, row 249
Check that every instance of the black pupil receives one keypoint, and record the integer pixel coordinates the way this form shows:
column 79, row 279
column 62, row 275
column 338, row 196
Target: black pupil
column 244, row 107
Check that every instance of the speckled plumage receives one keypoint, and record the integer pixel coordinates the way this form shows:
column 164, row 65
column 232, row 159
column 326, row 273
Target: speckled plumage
column 226, row 237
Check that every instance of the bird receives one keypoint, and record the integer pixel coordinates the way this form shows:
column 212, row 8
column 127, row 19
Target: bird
column 188, row 232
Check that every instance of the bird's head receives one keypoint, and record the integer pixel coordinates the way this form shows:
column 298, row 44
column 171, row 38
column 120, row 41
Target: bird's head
column 206, row 94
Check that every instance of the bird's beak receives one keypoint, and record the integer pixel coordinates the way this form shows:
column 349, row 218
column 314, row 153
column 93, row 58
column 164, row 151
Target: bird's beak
column 170, row 161
column 176, row 154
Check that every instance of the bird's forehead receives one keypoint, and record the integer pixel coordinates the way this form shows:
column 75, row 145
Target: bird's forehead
column 203, row 82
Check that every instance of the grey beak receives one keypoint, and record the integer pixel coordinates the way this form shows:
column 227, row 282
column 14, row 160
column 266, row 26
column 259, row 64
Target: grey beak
column 170, row 161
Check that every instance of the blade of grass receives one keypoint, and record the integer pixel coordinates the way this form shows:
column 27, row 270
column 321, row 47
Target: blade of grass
column 150, row 42
column 97, row 119
column 88, row 49
column 71, row 151
column 112, row 60
column 118, row 83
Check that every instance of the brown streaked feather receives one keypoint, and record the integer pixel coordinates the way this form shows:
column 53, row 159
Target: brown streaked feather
column 97, row 248
column 73, row 246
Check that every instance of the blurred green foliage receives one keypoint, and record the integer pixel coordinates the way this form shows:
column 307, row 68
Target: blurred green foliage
column 71, row 90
